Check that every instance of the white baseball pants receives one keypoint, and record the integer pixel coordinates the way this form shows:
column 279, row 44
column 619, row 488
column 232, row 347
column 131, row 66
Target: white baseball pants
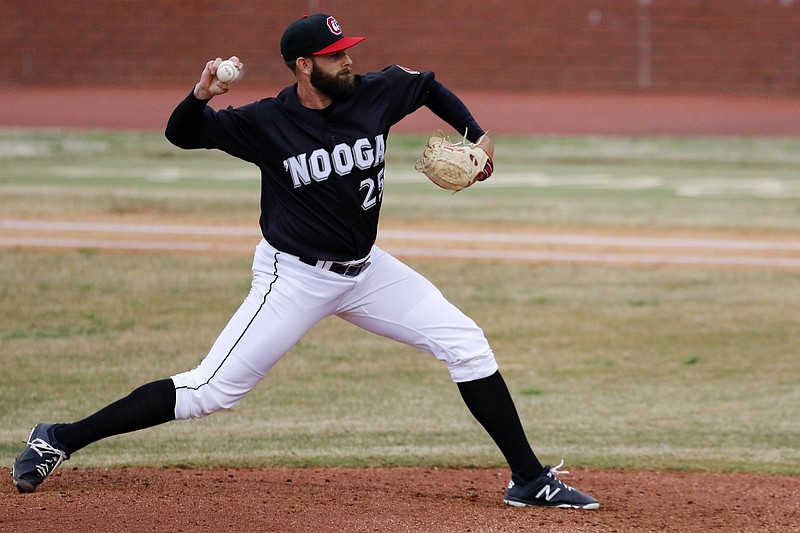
column 288, row 298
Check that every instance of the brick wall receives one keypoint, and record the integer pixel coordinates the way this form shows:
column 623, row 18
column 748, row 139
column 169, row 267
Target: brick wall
column 720, row 46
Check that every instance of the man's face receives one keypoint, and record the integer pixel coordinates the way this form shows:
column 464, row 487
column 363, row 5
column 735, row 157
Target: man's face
column 331, row 75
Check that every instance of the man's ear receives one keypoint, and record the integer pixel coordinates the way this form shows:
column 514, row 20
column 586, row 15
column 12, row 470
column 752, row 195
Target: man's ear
column 304, row 65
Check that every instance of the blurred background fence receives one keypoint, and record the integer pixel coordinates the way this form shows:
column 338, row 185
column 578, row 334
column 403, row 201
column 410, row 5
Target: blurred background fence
column 740, row 47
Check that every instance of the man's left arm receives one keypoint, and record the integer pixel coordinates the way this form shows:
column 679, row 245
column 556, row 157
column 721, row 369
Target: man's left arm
column 449, row 107
column 487, row 146
column 446, row 105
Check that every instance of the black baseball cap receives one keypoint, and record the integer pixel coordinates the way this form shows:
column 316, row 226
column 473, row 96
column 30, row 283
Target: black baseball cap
column 314, row 35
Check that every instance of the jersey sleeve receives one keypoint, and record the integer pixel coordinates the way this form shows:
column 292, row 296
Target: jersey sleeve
column 408, row 90
column 193, row 124
column 414, row 89
column 449, row 107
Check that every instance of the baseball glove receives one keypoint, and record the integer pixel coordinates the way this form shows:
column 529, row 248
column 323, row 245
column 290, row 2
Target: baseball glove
column 453, row 166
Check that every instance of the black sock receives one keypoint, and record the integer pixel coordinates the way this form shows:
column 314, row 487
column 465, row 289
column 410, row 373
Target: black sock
column 490, row 403
column 147, row 406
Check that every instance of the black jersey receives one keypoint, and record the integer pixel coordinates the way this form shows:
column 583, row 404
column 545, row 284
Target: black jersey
column 322, row 171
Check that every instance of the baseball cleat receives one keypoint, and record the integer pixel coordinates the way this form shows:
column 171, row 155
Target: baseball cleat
column 547, row 491
column 39, row 459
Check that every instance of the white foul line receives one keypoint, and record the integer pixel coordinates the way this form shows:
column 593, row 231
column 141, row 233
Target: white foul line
column 480, row 237
column 108, row 244
column 113, row 227
column 591, row 257
column 446, row 236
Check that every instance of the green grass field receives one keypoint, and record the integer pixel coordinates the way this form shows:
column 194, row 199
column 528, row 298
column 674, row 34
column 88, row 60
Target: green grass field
column 611, row 366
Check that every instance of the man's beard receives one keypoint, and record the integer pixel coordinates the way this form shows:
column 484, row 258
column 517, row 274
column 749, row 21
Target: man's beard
column 338, row 87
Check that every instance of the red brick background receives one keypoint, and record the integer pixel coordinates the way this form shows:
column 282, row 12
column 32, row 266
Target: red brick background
column 742, row 47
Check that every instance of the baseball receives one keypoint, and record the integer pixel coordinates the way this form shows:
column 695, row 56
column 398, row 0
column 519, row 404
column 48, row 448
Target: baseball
column 227, row 71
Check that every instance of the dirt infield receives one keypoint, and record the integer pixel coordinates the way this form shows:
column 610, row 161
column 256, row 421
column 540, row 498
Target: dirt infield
column 390, row 500
column 405, row 499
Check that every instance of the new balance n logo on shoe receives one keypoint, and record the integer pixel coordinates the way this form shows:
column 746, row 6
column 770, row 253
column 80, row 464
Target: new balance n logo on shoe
column 547, row 494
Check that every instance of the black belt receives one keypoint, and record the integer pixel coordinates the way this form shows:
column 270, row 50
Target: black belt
column 349, row 270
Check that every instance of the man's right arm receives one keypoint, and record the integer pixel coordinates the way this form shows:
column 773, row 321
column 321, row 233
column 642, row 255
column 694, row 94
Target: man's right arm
column 185, row 124
column 184, row 127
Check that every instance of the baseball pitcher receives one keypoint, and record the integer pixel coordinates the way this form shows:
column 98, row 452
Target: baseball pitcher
column 320, row 146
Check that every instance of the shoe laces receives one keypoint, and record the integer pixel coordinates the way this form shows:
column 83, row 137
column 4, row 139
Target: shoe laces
column 52, row 457
column 554, row 472
column 41, row 447
column 555, row 469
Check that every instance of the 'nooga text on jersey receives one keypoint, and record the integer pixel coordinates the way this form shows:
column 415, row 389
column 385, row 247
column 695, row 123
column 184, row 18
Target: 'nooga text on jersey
column 319, row 164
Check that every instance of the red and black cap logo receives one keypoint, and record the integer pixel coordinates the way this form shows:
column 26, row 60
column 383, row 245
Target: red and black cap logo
column 314, row 35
